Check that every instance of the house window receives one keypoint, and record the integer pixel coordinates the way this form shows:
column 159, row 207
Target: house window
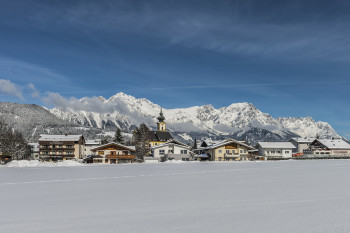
column 286, row 152
column 162, row 152
column 227, row 152
column 241, row 151
column 101, row 152
column 170, row 152
column 278, row 152
column 220, row 151
column 155, row 144
column 185, row 159
column 272, row 152
column 183, row 151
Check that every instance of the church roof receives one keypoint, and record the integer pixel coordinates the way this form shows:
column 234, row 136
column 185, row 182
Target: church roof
column 160, row 136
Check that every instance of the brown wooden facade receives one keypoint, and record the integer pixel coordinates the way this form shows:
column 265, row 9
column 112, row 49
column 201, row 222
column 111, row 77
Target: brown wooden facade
column 113, row 153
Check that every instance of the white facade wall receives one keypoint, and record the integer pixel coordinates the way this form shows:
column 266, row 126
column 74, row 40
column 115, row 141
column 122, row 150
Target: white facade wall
column 275, row 152
column 169, row 149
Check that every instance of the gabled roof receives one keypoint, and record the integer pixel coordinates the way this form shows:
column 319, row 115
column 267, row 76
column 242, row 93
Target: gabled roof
column 276, row 145
column 64, row 138
column 171, row 144
column 105, row 146
column 226, row 142
column 160, row 136
column 334, row 144
column 176, row 142
column 303, row 140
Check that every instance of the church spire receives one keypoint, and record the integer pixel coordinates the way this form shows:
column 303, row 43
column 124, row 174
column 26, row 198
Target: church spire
column 161, row 118
column 161, row 123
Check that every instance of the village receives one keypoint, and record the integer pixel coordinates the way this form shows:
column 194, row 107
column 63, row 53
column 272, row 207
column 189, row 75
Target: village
column 160, row 146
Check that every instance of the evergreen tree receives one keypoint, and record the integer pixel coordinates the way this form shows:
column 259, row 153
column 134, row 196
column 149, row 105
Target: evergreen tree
column 194, row 144
column 118, row 137
column 141, row 140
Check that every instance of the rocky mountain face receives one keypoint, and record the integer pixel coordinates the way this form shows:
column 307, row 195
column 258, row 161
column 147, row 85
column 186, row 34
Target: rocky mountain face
column 33, row 120
column 242, row 121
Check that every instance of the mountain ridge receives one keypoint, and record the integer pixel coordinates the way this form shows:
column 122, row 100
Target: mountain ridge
column 237, row 119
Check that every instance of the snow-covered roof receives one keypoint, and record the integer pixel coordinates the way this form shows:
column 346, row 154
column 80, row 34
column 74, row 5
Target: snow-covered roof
column 334, row 144
column 303, row 140
column 202, row 156
column 92, row 142
column 277, row 145
column 228, row 141
column 171, row 144
column 176, row 142
column 102, row 147
column 66, row 138
column 33, row 144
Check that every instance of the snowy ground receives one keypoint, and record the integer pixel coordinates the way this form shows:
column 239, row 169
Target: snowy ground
column 268, row 197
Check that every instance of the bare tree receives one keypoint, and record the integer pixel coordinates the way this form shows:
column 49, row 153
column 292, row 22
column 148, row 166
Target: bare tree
column 12, row 142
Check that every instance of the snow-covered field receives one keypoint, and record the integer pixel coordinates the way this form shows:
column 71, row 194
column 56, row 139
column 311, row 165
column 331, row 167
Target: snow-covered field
column 269, row 197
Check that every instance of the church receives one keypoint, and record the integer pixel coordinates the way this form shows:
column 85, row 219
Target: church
column 161, row 135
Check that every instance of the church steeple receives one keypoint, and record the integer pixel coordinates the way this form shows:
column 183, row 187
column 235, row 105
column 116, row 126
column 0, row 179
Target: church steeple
column 161, row 117
column 161, row 124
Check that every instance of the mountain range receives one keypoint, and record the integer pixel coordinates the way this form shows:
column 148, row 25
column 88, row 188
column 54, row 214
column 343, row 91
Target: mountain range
column 91, row 115
column 239, row 120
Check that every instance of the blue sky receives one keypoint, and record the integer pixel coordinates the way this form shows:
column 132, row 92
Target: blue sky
column 289, row 58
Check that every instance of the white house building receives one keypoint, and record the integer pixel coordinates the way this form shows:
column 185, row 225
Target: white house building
column 334, row 147
column 172, row 150
column 90, row 144
column 275, row 150
column 301, row 144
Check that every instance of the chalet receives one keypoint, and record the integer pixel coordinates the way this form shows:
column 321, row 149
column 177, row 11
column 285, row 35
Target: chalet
column 275, row 150
column 113, row 153
column 172, row 150
column 161, row 135
column 61, row 147
column 301, row 144
column 334, row 147
column 227, row 150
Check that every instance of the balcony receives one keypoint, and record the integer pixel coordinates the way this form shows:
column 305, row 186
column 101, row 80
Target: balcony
column 109, row 156
column 231, row 155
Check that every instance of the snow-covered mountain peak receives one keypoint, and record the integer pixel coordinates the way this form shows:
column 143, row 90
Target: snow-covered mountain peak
column 126, row 111
column 121, row 96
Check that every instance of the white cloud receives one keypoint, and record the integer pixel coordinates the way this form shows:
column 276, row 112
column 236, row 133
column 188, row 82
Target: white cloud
column 89, row 104
column 35, row 93
column 10, row 89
